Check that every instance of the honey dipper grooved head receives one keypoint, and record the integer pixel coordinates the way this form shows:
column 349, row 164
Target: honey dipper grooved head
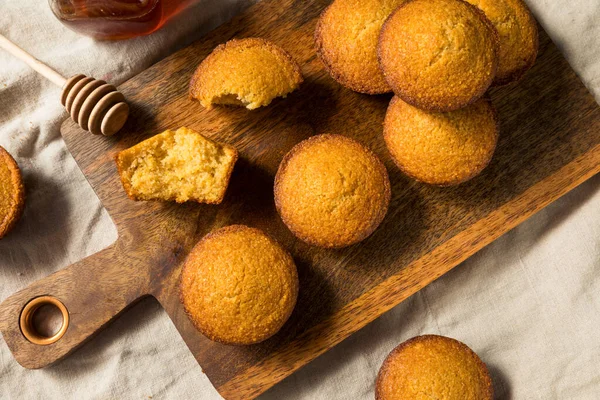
column 95, row 105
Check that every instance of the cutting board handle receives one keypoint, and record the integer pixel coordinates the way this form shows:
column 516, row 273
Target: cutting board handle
column 93, row 291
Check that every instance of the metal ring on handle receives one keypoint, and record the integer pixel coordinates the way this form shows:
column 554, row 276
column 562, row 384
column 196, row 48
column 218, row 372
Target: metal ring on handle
column 26, row 320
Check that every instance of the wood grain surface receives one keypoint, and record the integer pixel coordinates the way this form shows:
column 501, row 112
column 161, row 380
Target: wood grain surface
column 549, row 143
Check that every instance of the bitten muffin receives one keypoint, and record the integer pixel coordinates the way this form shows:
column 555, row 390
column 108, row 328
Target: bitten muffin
column 346, row 40
column 438, row 55
column 12, row 192
column 331, row 191
column 433, row 367
column 518, row 33
column 177, row 166
column 247, row 72
column 238, row 286
column 441, row 148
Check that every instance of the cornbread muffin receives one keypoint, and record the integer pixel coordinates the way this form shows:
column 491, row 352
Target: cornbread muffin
column 331, row 191
column 248, row 72
column 179, row 166
column 441, row 148
column 438, row 55
column 12, row 193
column 238, row 286
column 433, row 367
column 346, row 40
column 518, row 33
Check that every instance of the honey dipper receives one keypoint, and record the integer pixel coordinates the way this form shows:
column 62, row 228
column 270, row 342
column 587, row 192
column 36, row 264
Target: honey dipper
column 94, row 105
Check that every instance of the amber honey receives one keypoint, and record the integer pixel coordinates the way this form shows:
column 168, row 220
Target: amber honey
column 116, row 19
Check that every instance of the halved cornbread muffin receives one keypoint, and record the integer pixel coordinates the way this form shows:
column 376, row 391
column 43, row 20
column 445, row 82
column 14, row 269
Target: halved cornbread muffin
column 246, row 72
column 177, row 166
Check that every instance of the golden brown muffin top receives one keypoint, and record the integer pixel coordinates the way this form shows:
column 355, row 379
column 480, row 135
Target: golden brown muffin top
column 438, row 55
column 518, row 35
column 249, row 72
column 441, row 148
column 346, row 39
column 433, row 367
column 238, row 286
column 12, row 192
column 331, row 191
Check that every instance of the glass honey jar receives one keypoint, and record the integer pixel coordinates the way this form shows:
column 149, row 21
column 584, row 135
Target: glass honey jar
column 116, row 19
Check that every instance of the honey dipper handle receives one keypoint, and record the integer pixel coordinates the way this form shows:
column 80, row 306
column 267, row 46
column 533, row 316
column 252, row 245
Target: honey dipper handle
column 33, row 62
column 91, row 292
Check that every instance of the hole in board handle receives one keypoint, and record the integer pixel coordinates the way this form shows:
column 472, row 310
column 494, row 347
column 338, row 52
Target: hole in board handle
column 44, row 320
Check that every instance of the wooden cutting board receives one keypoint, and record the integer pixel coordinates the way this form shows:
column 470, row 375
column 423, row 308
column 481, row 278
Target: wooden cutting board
column 549, row 144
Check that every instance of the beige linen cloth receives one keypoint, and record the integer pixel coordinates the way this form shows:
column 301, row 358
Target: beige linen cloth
column 529, row 304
